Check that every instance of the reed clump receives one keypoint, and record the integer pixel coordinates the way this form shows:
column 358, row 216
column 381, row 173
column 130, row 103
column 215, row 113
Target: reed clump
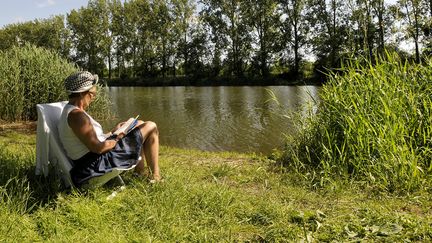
column 373, row 126
column 31, row 75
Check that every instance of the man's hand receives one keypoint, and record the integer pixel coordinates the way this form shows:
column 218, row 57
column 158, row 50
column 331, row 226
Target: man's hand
column 120, row 136
column 117, row 127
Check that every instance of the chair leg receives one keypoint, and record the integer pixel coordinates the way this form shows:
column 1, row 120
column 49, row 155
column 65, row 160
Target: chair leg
column 119, row 180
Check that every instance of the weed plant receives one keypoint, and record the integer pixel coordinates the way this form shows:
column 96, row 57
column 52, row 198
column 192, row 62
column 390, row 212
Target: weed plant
column 373, row 127
column 31, row 75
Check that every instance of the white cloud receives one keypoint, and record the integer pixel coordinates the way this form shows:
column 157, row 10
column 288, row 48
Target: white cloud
column 46, row 3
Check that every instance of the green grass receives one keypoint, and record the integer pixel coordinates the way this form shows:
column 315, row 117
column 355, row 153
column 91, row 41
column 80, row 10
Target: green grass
column 213, row 197
column 373, row 126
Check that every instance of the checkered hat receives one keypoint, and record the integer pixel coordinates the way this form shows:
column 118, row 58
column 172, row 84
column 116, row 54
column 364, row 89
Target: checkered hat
column 80, row 82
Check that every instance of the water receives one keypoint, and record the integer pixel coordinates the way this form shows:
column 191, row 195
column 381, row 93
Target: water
column 242, row 119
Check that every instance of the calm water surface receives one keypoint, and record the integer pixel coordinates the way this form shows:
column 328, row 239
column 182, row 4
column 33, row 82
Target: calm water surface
column 242, row 119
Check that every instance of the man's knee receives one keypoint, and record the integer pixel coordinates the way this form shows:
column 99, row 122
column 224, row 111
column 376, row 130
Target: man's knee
column 152, row 126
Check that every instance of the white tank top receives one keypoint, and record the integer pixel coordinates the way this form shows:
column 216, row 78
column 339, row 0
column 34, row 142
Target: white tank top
column 74, row 148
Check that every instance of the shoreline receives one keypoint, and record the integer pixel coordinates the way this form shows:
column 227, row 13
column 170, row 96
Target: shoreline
column 29, row 126
column 187, row 81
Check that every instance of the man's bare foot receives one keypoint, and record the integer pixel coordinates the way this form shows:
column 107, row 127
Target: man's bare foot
column 143, row 172
column 155, row 178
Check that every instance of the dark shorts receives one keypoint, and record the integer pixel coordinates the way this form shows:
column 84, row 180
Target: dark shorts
column 124, row 155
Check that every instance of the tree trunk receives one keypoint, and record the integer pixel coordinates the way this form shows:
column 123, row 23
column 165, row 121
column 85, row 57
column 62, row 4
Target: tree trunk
column 334, row 17
column 296, row 51
column 333, row 36
column 430, row 8
column 174, row 69
column 381, row 45
column 118, row 65
column 263, row 49
column 416, row 27
column 163, row 58
column 234, row 39
column 368, row 34
column 417, row 31
column 295, row 23
column 416, row 37
column 109, row 65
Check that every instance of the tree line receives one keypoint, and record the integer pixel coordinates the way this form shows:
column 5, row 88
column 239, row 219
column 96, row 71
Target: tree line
column 227, row 39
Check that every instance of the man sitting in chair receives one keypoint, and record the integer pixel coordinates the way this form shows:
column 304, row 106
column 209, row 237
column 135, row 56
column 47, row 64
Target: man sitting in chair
column 95, row 153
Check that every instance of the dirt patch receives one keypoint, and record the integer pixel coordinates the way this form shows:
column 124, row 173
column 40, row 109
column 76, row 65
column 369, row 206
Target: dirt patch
column 27, row 126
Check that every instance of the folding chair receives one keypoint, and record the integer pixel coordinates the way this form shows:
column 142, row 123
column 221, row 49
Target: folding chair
column 50, row 153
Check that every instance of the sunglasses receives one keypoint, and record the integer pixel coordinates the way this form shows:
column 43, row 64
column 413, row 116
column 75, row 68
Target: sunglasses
column 92, row 94
column 95, row 79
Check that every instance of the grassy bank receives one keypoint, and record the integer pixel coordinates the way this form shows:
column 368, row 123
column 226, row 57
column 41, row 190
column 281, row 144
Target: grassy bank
column 205, row 197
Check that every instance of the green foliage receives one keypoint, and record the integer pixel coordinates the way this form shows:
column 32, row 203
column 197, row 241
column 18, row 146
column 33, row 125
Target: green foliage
column 90, row 35
column 230, row 31
column 48, row 33
column 374, row 126
column 30, row 75
column 209, row 40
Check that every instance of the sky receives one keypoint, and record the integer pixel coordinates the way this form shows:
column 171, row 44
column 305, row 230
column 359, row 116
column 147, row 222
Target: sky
column 15, row 11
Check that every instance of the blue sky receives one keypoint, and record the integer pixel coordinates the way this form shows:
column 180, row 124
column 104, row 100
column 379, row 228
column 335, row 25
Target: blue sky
column 13, row 11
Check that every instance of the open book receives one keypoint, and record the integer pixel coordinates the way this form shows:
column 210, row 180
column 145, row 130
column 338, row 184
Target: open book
column 127, row 126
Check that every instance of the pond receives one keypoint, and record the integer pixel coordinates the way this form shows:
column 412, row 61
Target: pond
column 242, row 119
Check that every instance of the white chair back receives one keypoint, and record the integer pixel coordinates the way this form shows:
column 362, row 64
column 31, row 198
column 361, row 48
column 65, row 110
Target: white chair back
column 49, row 151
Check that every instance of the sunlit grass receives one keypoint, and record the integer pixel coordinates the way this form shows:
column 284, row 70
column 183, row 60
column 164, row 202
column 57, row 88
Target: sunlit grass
column 31, row 75
column 205, row 197
column 373, row 128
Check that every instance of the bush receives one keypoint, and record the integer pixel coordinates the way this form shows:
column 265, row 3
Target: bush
column 31, row 75
column 374, row 125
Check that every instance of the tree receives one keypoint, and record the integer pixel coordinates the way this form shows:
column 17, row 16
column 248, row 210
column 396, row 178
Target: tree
column 183, row 14
column 329, row 22
column 363, row 35
column 136, row 34
column 214, row 25
column 101, row 11
column 90, row 36
column 226, row 20
column 295, row 29
column 414, row 15
column 118, row 35
column 162, row 28
column 378, row 9
column 263, row 17
column 427, row 29
column 48, row 33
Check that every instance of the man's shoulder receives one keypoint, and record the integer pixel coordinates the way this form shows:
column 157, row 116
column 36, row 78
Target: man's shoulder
column 78, row 117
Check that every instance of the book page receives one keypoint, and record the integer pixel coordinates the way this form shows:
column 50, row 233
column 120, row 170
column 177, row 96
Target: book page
column 125, row 127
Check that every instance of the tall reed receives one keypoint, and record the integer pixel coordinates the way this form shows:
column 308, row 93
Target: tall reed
column 31, row 75
column 374, row 125
column 28, row 76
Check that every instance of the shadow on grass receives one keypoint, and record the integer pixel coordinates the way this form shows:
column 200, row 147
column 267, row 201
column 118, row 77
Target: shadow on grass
column 23, row 191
